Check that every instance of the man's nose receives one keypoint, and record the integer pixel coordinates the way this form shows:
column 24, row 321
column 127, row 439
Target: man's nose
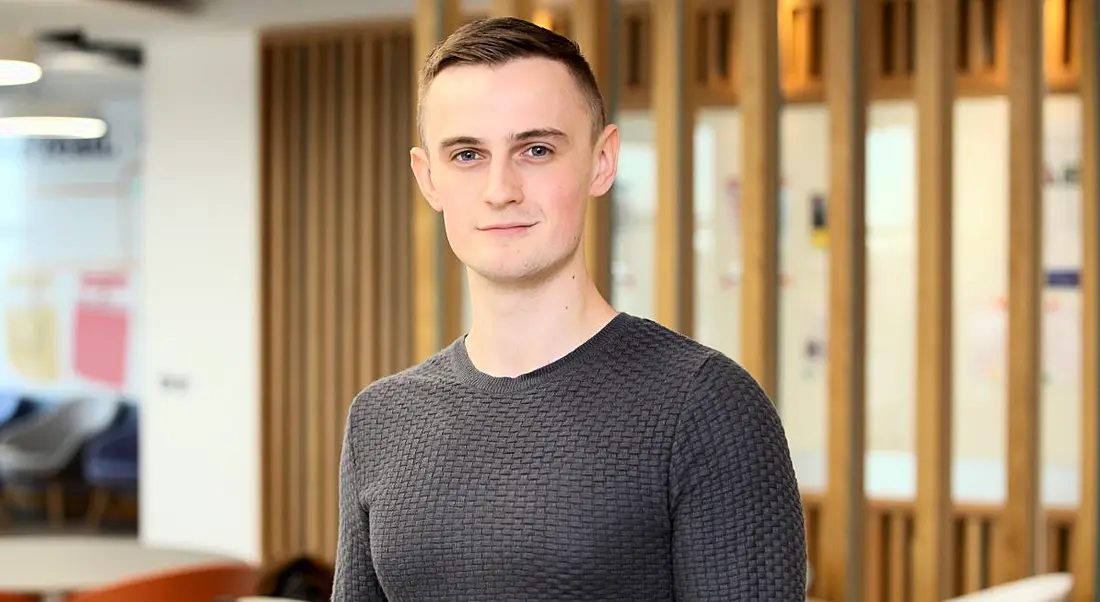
column 503, row 186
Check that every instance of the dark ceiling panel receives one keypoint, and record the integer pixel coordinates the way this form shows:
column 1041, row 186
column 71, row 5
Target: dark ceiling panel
column 180, row 6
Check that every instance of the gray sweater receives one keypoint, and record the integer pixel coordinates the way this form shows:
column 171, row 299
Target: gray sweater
column 642, row 466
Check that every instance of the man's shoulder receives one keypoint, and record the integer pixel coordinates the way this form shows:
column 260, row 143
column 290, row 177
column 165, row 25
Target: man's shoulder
column 708, row 374
column 666, row 350
column 402, row 386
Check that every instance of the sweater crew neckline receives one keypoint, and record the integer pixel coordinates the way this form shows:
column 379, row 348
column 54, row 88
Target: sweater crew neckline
column 469, row 374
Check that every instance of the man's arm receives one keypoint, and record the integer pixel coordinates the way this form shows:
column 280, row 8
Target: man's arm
column 737, row 523
column 355, row 579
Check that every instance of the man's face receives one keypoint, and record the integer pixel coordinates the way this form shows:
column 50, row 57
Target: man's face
column 510, row 160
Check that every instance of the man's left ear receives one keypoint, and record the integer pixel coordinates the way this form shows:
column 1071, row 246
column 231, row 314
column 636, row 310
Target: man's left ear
column 606, row 161
column 422, row 171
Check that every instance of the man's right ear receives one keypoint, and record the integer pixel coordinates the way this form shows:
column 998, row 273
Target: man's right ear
column 422, row 171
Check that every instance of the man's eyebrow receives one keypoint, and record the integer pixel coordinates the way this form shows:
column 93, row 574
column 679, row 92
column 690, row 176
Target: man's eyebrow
column 532, row 134
column 459, row 141
column 538, row 133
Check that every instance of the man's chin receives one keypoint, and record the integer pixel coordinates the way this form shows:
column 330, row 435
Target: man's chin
column 513, row 276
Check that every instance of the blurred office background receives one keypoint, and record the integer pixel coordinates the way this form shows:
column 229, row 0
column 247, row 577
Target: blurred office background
column 885, row 209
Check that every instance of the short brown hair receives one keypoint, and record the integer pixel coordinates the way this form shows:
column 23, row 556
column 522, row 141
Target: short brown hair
column 499, row 40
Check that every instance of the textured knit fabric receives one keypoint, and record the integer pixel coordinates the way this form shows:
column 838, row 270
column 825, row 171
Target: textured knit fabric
column 642, row 466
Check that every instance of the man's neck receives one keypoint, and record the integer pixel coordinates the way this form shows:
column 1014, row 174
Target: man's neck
column 518, row 331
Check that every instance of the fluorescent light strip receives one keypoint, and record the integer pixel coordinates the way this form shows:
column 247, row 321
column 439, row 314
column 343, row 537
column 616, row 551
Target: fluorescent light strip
column 18, row 73
column 52, row 127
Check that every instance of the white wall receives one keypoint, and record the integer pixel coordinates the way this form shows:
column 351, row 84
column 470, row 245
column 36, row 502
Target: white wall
column 200, row 437
column 68, row 257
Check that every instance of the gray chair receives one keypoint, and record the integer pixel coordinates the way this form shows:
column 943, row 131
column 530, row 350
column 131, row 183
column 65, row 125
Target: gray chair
column 39, row 449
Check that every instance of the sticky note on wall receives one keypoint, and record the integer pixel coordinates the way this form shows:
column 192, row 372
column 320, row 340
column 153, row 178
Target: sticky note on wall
column 101, row 328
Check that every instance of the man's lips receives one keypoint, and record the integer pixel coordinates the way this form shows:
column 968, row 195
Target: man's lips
column 507, row 227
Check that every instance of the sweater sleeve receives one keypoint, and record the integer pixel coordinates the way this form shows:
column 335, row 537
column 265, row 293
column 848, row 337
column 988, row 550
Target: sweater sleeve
column 737, row 523
column 355, row 579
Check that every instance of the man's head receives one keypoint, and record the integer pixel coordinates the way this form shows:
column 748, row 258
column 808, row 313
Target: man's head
column 514, row 141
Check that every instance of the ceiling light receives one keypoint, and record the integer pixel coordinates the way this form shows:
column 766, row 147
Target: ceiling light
column 17, row 62
column 36, row 120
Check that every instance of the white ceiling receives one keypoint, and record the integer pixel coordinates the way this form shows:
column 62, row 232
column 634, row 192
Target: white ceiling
column 120, row 19
column 85, row 77
column 92, row 78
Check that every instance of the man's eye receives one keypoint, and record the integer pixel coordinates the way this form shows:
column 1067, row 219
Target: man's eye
column 466, row 155
column 539, row 151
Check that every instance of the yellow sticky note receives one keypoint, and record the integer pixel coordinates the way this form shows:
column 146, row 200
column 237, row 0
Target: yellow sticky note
column 32, row 334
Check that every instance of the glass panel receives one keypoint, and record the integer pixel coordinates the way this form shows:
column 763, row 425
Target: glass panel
column 891, row 300
column 980, row 270
column 718, row 230
column 803, row 298
column 1060, row 401
column 633, row 239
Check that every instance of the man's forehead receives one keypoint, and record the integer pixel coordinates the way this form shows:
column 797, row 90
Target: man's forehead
column 502, row 100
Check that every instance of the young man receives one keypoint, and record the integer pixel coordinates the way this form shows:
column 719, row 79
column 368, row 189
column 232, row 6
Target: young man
column 560, row 450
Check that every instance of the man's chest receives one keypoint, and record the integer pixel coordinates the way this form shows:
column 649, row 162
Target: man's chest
column 517, row 497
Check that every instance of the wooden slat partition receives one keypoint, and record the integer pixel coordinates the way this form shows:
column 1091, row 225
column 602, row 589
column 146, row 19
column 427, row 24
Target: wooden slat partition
column 593, row 27
column 1086, row 563
column 892, row 49
column 1019, row 535
column 981, row 47
column 802, row 35
column 523, row 9
column 336, row 243
column 437, row 273
column 979, row 58
column 890, row 569
column 847, row 106
column 636, row 56
column 715, row 51
column 674, row 119
column 1063, row 29
column 935, row 83
column 759, row 69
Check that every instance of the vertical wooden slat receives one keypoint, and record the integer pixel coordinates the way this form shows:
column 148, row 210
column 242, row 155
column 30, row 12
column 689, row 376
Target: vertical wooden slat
column 595, row 26
column 1086, row 559
column 976, row 58
column 759, row 95
column 813, row 528
column 845, row 90
column 296, row 86
column 1053, row 22
column 387, row 258
column 369, row 361
column 1025, row 86
column 876, row 555
column 276, row 370
column 349, row 202
column 1000, row 43
column 436, row 272
column 972, row 544
column 314, row 288
column 935, row 78
column 403, row 89
column 325, row 404
column 523, row 9
column 897, row 565
column 674, row 118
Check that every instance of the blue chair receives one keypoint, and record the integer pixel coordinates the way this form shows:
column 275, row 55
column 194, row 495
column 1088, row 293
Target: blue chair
column 43, row 451
column 110, row 462
column 13, row 407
